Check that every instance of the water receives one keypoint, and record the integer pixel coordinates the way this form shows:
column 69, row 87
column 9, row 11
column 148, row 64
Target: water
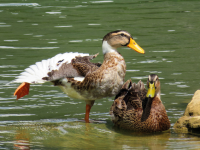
column 48, row 119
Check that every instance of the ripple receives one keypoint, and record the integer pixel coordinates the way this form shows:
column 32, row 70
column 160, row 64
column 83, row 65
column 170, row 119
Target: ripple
column 140, row 78
column 166, row 51
column 12, row 47
column 14, row 70
column 9, row 115
column 101, row 1
column 79, row 6
column 8, row 66
column 11, row 40
column 73, row 41
column 174, row 104
column 38, row 35
column 6, row 108
column 29, row 34
column 170, row 30
column 71, row 126
column 94, row 24
column 102, row 130
column 6, row 101
column 62, row 16
column 53, row 12
column 63, row 26
column 181, row 94
column 96, row 39
column 132, row 70
column 57, row 120
column 174, row 83
column 183, row 86
column 178, row 84
column 5, row 25
column 176, row 73
column 15, row 13
column 19, row 4
column 149, row 61
column 31, row 106
column 52, row 42
column 98, row 104
column 154, row 72
column 63, row 131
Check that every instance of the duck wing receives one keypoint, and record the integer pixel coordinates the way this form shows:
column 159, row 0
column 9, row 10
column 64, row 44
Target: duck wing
column 79, row 67
column 67, row 65
column 83, row 64
column 129, row 99
column 60, row 66
column 135, row 96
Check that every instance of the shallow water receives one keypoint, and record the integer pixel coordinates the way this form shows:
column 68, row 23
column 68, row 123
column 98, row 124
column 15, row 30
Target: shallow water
column 47, row 118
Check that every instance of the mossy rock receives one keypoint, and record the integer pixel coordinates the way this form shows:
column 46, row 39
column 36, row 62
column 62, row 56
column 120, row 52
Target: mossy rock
column 190, row 121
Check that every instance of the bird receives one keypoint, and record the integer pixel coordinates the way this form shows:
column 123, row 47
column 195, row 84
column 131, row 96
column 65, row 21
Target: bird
column 138, row 109
column 77, row 76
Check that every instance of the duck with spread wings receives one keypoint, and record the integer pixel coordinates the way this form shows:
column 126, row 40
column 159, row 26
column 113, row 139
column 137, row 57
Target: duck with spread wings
column 78, row 77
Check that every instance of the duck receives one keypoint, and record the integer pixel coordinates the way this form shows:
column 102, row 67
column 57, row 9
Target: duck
column 138, row 109
column 77, row 76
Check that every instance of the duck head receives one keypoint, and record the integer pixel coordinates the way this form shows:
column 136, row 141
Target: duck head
column 119, row 38
column 153, row 85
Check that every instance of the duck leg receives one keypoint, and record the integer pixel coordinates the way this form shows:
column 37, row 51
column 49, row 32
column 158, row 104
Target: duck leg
column 89, row 104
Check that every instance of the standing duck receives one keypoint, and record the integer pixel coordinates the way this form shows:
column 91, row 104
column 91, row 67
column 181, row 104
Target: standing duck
column 78, row 77
column 140, row 110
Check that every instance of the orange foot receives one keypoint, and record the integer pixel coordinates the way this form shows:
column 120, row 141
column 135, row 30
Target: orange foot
column 22, row 90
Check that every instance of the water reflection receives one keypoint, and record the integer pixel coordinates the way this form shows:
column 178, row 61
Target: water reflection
column 32, row 135
column 22, row 140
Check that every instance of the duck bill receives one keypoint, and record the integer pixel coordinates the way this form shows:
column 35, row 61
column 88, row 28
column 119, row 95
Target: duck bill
column 151, row 91
column 133, row 45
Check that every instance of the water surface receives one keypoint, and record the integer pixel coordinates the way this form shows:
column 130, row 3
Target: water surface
column 49, row 119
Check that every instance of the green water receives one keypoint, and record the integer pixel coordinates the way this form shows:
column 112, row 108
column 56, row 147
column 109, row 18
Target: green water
column 47, row 119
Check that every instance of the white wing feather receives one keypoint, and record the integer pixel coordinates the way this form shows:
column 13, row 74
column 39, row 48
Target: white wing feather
column 35, row 73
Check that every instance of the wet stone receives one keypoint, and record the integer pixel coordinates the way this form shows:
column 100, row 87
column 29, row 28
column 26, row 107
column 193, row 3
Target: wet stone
column 190, row 121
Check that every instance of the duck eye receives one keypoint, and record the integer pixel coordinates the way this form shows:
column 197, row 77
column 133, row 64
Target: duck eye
column 122, row 34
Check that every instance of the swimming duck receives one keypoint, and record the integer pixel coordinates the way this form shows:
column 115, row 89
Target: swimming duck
column 78, row 77
column 137, row 109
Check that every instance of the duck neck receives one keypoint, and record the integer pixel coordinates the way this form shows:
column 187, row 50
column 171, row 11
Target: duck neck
column 158, row 94
column 146, row 108
column 106, row 48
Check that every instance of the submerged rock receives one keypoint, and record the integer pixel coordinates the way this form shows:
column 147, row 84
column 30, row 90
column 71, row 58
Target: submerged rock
column 190, row 121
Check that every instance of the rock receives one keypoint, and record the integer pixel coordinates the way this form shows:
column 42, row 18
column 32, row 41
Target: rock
column 190, row 121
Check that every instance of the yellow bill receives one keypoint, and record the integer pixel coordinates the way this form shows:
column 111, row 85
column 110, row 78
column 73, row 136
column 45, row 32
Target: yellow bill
column 151, row 91
column 133, row 45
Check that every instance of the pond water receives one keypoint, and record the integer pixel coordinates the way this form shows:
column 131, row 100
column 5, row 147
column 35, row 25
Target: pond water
column 48, row 119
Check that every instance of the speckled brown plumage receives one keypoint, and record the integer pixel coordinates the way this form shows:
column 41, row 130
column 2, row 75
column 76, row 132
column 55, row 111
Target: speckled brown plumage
column 83, row 64
column 105, row 80
column 78, row 67
column 132, row 110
